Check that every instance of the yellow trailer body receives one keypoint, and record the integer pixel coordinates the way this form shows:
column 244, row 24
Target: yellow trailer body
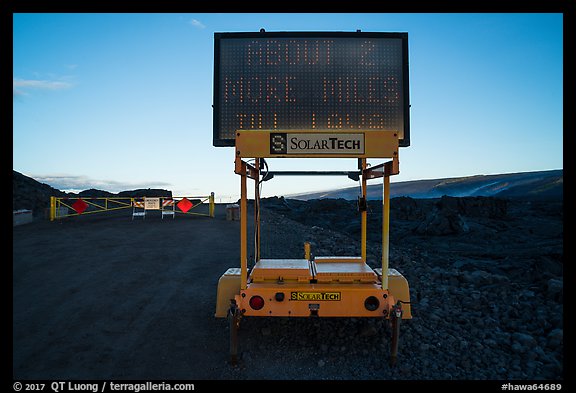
column 302, row 288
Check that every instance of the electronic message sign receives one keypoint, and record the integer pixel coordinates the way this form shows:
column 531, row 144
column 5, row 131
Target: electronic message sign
column 318, row 81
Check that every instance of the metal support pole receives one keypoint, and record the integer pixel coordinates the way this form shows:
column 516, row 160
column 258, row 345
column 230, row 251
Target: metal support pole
column 363, row 214
column 243, row 229
column 211, row 205
column 395, row 320
column 385, row 229
column 52, row 208
column 234, row 321
column 257, row 211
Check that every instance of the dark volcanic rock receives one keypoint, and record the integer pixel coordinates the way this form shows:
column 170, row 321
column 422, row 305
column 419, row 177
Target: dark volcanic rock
column 485, row 303
column 443, row 222
column 554, row 289
column 146, row 192
column 30, row 194
column 485, row 278
column 94, row 193
column 406, row 208
column 480, row 206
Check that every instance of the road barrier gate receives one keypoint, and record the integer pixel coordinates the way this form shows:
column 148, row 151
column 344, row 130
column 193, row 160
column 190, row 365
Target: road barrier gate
column 63, row 207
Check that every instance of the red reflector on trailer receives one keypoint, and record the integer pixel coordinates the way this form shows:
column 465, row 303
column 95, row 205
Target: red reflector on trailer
column 256, row 302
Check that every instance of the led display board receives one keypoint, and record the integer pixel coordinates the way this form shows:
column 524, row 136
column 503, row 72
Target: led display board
column 317, row 81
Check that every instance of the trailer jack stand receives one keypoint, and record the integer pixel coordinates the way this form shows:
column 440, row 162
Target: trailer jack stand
column 395, row 318
column 234, row 316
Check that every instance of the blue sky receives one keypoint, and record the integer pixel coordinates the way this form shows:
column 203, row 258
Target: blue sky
column 123, row 101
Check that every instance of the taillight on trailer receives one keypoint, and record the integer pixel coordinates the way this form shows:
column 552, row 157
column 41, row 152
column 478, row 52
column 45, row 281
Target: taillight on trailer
column 256, row 302
column 371, row 303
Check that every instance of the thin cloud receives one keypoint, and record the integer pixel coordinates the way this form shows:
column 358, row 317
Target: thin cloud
column 20, row 86
column 196, row 23
column 68, row 183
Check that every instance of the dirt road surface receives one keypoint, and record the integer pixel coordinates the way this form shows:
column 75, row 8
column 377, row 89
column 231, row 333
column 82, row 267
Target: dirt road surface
column 108, row 297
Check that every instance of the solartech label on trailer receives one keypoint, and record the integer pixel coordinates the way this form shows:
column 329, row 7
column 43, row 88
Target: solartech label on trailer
column 308, row 296
column 314, row 81
column 321, row 143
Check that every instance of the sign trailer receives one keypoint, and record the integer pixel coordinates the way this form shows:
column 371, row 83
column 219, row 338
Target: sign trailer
column 312, row 95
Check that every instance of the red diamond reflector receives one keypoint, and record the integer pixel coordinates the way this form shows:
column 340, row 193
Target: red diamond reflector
column 79, row 206
column 184, row 205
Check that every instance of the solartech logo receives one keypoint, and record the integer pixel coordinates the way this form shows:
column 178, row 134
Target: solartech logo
column 308, row 296
column 286, row 143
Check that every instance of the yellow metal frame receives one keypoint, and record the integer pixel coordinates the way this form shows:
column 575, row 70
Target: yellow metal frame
column 256, row 145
